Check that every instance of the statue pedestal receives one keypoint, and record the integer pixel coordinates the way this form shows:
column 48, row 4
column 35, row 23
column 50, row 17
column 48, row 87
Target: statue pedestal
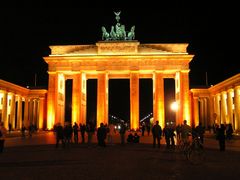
column 117, row 47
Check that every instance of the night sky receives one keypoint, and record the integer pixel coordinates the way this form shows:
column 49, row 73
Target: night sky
column 26, row 34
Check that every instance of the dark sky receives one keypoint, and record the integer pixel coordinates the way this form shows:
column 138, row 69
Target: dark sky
column 26, row 34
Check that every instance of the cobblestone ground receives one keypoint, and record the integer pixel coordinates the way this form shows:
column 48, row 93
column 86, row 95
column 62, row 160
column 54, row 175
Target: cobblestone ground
column 37, row 158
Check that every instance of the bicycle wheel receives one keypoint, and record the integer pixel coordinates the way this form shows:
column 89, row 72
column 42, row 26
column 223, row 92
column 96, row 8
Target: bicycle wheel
column 187, row 152
column 196, row 156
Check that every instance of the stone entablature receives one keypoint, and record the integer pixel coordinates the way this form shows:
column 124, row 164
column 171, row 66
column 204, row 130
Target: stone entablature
column 13, row 88
column 165, row 48
column 119, row 48
column 226, row 84
column 112, row 63
column 200, row 92
column 19, row 90
column 115, row 57
column 73, row 50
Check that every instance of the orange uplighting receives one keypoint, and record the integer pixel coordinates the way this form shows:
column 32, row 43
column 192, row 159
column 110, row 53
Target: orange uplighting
column 134, row 123
column 50, row 118
column 116, row 60
column 186, row 112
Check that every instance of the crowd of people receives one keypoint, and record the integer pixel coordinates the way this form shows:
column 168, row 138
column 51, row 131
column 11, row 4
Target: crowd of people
column 65, row 133
column 105, row 133
column 68, row 133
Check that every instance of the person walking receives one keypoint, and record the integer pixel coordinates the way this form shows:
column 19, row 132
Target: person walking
column 75, row 132
column 68, row 131
column 167, row 135
column 111, row 132
column 90, row 131
column 59, row 135
column 3, row 132
column 186, row 132
column 221, row 137
column 122, row 133
column 200, row 130
column 157, row 133
column 101, row 135
column 82, row 131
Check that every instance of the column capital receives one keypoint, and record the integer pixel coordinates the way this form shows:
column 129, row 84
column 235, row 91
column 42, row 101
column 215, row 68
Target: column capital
column 230, row 90
column 237, row 88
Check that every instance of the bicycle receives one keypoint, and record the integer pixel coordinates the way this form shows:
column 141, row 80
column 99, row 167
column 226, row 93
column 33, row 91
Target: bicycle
column 194, row 151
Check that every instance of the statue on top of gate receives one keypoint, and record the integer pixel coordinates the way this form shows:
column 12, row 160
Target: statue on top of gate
column 118, row 31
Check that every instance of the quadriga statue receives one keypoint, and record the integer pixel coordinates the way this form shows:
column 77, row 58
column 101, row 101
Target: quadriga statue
column 131, row 33
column 105, row 34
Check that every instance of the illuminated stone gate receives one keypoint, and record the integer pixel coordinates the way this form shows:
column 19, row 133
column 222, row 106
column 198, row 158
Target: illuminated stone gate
column 115, row 60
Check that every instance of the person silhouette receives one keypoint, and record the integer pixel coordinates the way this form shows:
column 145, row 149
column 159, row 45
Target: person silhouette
column 157, row 133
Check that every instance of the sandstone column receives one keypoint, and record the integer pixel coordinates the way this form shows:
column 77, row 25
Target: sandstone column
column 76, row 98
column 83, row 114
column 134, row 100
column 205, row 111
column 12, row 111
column 196, row 111
column 19, row 112
column 182, row 96
column 211, row 110
column 26, row 114
column 30, row 111
column 223, row 108
column 56, row 99
column 41, row 112
column 237, row 107
column 230, row 106
column 102, row 98
column 217, row 106
column 79, row 99
column 158, row 99
column 52, row 99
column 5, row 109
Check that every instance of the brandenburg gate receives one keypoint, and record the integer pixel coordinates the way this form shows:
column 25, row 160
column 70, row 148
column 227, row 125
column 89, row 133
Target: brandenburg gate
column 117, row 56
column 115, row 60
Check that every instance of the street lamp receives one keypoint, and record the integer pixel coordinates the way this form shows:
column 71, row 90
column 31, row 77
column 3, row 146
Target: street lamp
column 174, row 106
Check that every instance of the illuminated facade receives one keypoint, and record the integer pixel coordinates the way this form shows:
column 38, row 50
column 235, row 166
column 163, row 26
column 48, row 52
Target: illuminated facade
column 115, row 60
column 219, row 104
column 22, row 106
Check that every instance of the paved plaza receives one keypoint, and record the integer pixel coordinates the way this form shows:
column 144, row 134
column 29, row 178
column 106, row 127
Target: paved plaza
column 37, row 158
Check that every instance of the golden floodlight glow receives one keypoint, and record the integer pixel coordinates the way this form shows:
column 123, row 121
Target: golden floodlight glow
column 174, row 106
column 117, row 60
